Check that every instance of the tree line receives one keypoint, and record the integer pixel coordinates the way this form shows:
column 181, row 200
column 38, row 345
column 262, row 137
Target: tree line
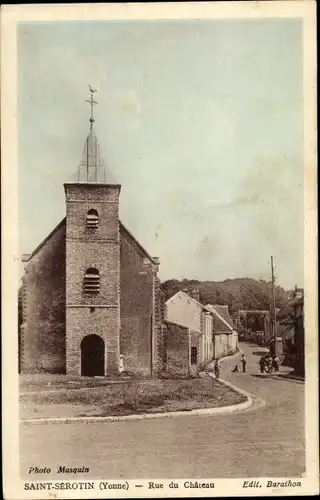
column 238, row 293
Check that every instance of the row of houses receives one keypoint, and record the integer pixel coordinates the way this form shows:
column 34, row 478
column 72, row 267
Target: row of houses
column 290, row 328
column 195, row 334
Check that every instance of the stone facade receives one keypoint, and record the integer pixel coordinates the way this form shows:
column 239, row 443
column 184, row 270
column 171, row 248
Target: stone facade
column 61, row 323
column 42, row 333
column 99, row 248
column 139, row 307
column 180, row 360
column 90, row 295
column 158, row 318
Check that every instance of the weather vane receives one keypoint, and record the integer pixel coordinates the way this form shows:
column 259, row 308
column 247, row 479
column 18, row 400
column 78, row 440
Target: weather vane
column 92, row 102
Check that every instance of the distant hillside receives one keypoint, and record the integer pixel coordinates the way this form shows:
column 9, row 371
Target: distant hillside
column 238, row 293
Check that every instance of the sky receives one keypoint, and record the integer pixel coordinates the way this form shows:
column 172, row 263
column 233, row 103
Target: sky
column 200, row 121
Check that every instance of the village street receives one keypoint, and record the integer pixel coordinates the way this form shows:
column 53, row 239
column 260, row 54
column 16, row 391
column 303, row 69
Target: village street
column 265, row 440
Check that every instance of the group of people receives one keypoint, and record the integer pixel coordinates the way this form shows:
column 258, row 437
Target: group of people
column 269, row 363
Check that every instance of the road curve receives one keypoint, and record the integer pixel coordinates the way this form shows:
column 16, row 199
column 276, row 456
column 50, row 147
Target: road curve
column 266, row 440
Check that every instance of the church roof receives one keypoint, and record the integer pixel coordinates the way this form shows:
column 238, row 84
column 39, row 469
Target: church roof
column 92, row 168
column 28, row 257
column 155, row 260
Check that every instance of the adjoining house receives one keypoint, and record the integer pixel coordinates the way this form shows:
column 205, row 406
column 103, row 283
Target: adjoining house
column 204, row 332
column 181, row 350
column 290, row 326
column 225, row 334
column 298, row 307
column 285, row 331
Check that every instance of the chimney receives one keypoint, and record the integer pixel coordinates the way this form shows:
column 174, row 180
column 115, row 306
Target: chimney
column 25, row 257
column 195, row 294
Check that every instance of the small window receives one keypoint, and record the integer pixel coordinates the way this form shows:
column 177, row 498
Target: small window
column 194, row 356
column 92, row 219
column 91, row 283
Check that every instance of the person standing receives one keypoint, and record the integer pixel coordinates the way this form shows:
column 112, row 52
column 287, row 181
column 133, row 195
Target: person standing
column 275, row 363
column 217, row 369
column 269, row 364
column 262, row 364
column 244, row 363
column 121, row 367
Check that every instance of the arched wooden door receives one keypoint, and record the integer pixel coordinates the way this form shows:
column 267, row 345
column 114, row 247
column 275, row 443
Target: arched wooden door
column 92, row 356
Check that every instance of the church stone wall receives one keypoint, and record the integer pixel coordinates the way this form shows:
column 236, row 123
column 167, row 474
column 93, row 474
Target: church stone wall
column 92, row 314
column 42, row 333
column 103, row 322
column 159, row 358
column 126, row 313
column 136, row 306
column 102, row 255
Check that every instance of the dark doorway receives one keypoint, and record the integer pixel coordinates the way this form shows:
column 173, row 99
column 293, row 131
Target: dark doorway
column 92, row 356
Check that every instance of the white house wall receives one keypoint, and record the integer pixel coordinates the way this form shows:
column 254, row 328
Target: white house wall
column 233, row 341
column 184, row 311
column 208, row 337
column 221, row 345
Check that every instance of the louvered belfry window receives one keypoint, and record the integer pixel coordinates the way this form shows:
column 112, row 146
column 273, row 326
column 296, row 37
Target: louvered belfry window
column 91, row 283
column 92, row 219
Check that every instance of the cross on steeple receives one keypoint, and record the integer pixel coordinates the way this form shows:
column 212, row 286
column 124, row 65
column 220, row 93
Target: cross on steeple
column 91, row 167
column 92, row 102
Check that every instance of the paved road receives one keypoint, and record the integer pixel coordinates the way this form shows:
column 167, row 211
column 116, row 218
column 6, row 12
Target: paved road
column 262, row 441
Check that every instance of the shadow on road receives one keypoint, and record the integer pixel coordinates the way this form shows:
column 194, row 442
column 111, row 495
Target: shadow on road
column 276, row 377
column 259, row 353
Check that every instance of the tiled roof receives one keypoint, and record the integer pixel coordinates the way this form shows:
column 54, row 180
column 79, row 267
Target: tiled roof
column 223, row 311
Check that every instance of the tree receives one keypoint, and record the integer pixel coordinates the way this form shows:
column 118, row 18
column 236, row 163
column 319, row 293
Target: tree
column 238, row 293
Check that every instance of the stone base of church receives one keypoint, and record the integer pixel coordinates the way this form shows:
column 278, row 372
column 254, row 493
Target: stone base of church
column 92, row 347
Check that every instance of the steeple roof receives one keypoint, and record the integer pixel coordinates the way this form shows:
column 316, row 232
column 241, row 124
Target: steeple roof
column 92, row 168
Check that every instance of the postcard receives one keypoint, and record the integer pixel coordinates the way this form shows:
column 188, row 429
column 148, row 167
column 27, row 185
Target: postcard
column 159, row 215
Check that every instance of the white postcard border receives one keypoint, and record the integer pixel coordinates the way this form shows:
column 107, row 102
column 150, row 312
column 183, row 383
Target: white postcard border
column 11, row 15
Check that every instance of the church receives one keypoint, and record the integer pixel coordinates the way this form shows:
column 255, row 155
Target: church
column 90, row 291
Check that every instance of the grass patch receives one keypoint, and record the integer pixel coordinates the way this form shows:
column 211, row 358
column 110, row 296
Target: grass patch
column 44, row 381
column 124, row 397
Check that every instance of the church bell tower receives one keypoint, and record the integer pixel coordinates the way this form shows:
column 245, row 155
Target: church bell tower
column 92, row 265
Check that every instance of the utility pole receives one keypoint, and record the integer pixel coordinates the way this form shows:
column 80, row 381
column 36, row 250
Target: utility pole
column 273, row 303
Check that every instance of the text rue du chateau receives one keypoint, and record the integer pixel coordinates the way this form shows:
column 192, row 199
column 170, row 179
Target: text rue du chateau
column 187, row 484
